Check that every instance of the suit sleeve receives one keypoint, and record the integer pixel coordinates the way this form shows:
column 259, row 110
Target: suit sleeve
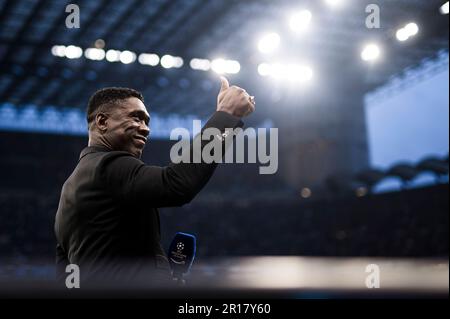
column 174, row 185
column 61, row 263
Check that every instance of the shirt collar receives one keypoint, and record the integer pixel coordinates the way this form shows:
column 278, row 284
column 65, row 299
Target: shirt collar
column 93, row 149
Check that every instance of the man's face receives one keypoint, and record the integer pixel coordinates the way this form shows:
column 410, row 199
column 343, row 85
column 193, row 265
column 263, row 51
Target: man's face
column 128, row 127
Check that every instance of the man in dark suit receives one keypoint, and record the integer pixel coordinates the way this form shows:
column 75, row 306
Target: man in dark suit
column 107, row 221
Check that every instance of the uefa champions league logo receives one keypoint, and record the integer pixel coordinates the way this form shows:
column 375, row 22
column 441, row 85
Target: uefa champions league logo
column 180, row 247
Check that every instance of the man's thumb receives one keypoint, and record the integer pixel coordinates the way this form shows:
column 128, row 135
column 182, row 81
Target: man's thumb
column 225, row 84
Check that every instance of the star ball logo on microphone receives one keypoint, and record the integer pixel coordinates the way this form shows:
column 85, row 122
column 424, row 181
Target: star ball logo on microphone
column 180, row 247
column 242, row 146
column 177, row 255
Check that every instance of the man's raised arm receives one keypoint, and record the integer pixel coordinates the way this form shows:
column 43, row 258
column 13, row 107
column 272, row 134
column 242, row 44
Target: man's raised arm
column 177, row 184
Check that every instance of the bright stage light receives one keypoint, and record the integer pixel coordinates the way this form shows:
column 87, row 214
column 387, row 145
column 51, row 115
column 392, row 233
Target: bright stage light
column 200, row 64
column 59, row 50
column 264, row 69
column 300, row 21
column 94, row 54
column 148, row 59
column 371, row 52
column 127, row 57
column 293, row 72
column 289, row 72
column 218, row 66
column 73, row 52
column 444, row 8
column 412, row 29
column 169, row 62
column 269, row 43
column 277, row 70
column 232, row 67
column 222, row 66
column 334, row 3
column 99, row 44
column 113, row 56
column 402, row 35
column 408, row 31
column 301, row 73
column 178, row 62
column 306, row 192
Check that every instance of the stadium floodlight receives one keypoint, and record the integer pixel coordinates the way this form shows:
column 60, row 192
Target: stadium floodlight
column 222, row 66
column 334, row 3
column 169, row 61
column 127, row 57
column 300, row 21
column 178, row 62
column 149, row 59
column 371, row 52
column 264, row 69
column 444, row 8
column 94, row 54
column 113, row 56
column 402, row 35
column 73, row 52
column 412, row 29
column 269, row 43
column 408, row 31
column 306, row 193
column 296, row 72
column 291, row 72
column 59, row 50
column 232, row 67
column 200, row 64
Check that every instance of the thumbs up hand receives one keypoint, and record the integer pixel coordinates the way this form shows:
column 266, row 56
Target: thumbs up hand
column 234, row 100
column 225, row 85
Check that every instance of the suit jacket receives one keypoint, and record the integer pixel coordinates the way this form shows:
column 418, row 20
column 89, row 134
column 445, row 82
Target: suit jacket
column 108, row 222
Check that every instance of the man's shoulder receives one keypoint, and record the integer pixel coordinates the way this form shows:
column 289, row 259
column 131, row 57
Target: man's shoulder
column 118, row 158
column 104, row 161
column 99, row 151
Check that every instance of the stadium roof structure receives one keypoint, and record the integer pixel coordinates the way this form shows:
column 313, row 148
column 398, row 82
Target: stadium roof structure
column 229, row 29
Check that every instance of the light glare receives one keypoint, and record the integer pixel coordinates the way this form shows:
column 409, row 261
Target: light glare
column 300, row 21
column 334, row 3
column 148, row 59
column 113, row 55
column 127, row 57
column 200, row 64
column 402, row 35
column 408, row 31
column 264, row 69
column 94, row 54
column 412, row 29
column 269, row 43
column 59, row 50
column 73, row 52
column 371, row 52
column 444, row 9
column 290, row 72
column 222, row 66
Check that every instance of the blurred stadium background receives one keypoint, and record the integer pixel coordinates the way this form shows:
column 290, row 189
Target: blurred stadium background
column 362, row 117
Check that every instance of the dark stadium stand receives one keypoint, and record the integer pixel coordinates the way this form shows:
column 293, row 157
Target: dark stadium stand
column 411, row 223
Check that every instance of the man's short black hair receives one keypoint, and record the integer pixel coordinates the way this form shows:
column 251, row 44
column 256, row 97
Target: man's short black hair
column 105, row 99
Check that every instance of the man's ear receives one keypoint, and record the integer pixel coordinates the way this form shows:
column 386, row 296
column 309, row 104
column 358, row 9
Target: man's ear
column 101, row 120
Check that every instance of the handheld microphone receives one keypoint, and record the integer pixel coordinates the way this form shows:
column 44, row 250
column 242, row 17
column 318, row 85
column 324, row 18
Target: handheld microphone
column 181, row 255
